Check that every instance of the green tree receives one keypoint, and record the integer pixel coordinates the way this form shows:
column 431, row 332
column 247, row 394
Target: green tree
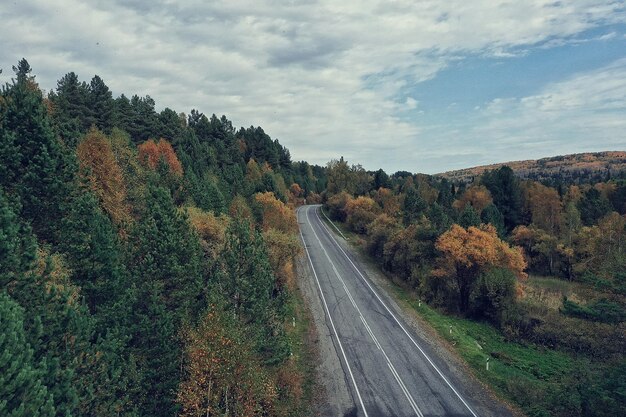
column 158, row 350
column 491, row 215
column 101, row 104
column 94, row 256
column 469, row 217
column 493, row 294
column 253, row 291
column 593, row 206
column 73, row 113
column 506, row 193
column 166, row 251
column 413, row 205
column 36, row 169
column 22, row 392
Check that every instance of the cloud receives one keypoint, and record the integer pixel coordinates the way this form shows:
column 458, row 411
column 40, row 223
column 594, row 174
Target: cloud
column 324, row 77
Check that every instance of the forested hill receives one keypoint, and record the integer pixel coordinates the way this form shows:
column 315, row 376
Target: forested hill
column 146, row 258
column 566, row 169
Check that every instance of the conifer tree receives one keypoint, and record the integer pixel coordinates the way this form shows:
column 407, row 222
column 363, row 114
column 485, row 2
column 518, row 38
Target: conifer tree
column 22, row 392
column 37, row 169
column 252, row 291
column 166, row 251
column 469, row 217
column 101, row 105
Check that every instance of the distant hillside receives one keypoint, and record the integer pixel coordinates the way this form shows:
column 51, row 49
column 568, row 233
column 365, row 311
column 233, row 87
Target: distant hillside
column 575, row 168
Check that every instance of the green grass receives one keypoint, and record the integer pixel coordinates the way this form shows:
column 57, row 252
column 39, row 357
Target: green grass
column 298, row 328
column 515, row 370
column 552, row 284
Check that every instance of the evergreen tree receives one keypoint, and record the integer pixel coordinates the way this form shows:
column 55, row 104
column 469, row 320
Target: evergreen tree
column 101, row 105
column 593, row 206
column 122, row 113
column 73, row 112
column 439, row 220
column 22, row 392
column 144, row 119
column 37, row 169
column 445, row 198
column 252, row 290
column 166, row 252
column 413, row 206
column 94, row 255
column 506, row 193
column 381, row 179
column 170, row 125
column 469, row 217
column 491, row 215
column 158, row 349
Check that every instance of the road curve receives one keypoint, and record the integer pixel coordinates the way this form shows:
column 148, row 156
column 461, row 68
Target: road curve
column 391, row 371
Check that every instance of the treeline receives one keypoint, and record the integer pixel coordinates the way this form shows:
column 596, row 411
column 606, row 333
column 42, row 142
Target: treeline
column 146, row 259
column 467, row 249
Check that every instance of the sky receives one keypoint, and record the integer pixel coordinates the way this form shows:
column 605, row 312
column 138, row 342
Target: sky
column 415, row 85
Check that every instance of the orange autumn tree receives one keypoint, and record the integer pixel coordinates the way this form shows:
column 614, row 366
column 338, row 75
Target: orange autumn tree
column 467, row 253
column 151, row 153
column 99, row 165
column 360, row 212
column 223, row 377
column 276, row 214
column 477, row 196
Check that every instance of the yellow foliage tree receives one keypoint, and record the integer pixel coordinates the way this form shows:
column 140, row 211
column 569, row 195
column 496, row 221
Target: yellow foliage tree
column 360, row 212
column 210, row 228
column 545, row 206
column 282, row 249
column 276, row 214
column 223, row 376
column 388, row 201
column 477, row 196
column 466, row 253
column 99, row 165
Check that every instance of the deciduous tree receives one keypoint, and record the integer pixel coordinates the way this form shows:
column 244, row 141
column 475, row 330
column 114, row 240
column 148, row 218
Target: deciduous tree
column 466, row 253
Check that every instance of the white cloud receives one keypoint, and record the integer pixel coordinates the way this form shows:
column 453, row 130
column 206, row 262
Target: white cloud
column 323, row 77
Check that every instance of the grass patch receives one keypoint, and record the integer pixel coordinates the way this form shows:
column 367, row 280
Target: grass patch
column 299, row 373
column 521, row 374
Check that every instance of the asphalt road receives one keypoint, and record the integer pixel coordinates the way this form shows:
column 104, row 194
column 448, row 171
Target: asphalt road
column 390, row 370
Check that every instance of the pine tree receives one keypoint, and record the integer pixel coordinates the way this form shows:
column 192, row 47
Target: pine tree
column 506, row 193
column 73, row 113
column 167, row 251
column 252, row 291
column 158, row 350
column 101, row 104
column 38, row 172
column 413, row 206
column 469, row 217
column 491, row 215
column 22, row 392
column 93, row 252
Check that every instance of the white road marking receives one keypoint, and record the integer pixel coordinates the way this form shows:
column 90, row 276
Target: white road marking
column 367, row 327
column 356, row 388
column 334, row 225
column 395, row 318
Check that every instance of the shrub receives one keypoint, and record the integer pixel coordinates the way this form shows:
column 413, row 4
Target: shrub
column 493, row 293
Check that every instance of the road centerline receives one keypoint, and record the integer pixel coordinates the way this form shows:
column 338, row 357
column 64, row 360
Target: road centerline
column 367, row 327
column 345, row 358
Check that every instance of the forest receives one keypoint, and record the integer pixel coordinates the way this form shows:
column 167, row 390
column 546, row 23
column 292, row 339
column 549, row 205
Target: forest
column 147, row 263
column 146, row 258
column 539, row 272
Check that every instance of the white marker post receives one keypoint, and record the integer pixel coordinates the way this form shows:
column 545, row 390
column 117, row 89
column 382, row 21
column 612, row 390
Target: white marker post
column 487, row 364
